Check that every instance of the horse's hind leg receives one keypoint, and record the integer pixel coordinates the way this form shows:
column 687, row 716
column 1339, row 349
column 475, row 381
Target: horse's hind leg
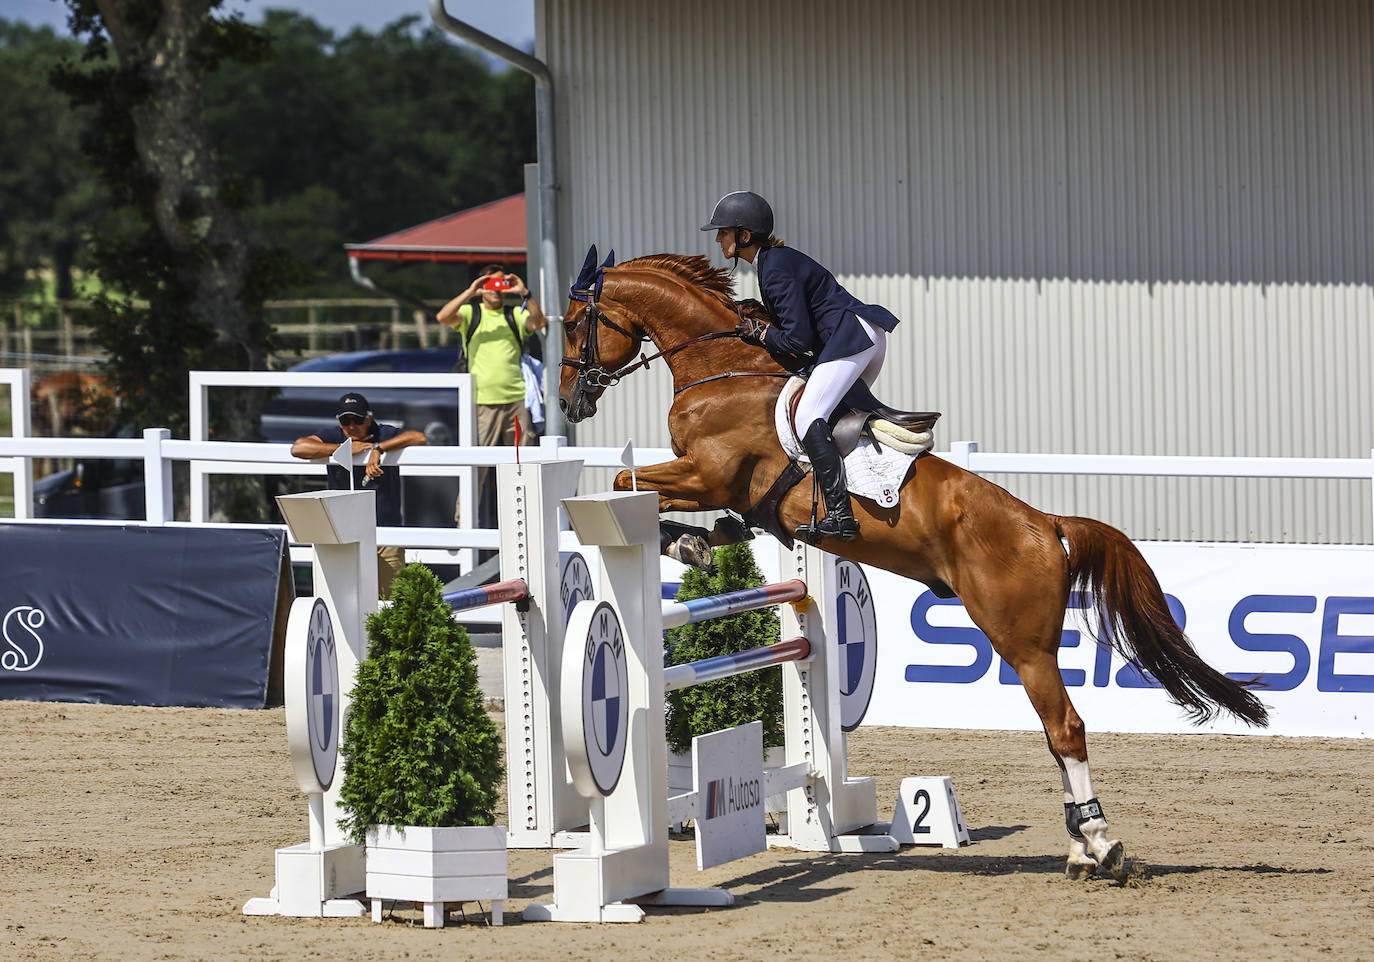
column 1089, row 846
column 1081, row 864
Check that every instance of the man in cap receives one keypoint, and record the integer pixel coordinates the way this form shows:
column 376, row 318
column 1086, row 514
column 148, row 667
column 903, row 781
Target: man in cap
column 356, row 424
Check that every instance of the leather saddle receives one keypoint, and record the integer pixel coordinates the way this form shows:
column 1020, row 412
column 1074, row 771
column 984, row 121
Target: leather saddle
column 861, row 413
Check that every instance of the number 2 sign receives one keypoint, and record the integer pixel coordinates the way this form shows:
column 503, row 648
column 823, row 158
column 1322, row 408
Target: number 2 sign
column 927, row 813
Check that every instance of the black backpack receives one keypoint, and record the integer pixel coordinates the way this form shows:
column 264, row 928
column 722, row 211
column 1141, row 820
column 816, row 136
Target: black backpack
column 461, row 366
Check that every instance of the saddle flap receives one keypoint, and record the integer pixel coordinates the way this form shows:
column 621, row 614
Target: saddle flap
column 848, row 430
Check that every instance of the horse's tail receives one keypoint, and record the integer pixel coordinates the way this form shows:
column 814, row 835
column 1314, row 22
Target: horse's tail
column 1134, row 618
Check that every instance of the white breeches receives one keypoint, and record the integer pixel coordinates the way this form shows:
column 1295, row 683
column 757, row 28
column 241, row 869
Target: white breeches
column 831, row 380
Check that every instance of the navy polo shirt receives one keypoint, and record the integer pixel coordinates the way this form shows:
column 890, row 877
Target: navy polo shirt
column 388, row 486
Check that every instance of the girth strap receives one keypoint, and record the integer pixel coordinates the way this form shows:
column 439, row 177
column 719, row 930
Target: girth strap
column 765, row 514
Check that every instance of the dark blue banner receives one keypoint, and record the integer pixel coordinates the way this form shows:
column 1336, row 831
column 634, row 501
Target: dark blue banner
column 138, row 615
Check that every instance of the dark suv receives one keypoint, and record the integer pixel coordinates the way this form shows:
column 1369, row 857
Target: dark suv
column 300, row 411
column 94, row 488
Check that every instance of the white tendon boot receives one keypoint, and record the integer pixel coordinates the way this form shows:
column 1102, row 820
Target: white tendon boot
column 1089, row 847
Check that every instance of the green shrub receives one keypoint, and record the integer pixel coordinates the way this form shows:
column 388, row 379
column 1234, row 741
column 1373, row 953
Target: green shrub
column 730, row 701
column 419, row 748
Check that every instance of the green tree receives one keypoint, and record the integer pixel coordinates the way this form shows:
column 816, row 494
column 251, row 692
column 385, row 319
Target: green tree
column 178, row 241
column 48, row 194
column 369, row 133
column 419, row 748
column 755, row 695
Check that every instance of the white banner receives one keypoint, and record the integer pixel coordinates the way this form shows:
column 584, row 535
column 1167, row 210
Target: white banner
column 1302, row 617
column 727, row 772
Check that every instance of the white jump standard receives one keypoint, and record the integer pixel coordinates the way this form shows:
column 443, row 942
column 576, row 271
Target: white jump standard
column 325, row 642
column 828, row 671
column 611, row 703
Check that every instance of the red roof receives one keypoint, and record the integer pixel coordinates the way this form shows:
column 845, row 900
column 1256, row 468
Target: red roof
column 490, row 232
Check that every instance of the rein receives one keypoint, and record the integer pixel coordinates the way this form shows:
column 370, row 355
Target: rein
column 717, row 377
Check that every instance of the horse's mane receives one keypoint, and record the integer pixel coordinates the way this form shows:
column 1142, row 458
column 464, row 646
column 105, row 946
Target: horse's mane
column 693, row 268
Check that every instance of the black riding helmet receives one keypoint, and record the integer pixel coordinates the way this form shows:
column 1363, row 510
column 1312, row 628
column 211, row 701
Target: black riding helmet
column 742, row 209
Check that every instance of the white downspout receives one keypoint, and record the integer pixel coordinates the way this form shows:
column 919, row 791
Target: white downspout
column 549, row 292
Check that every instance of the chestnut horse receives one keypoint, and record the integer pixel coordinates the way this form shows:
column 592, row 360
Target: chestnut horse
column 1005, row 560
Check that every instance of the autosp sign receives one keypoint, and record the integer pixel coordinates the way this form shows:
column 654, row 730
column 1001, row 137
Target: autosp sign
column 1299, row 617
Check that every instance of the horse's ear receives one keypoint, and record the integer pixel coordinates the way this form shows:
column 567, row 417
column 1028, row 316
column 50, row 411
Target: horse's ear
column 587, row 276
column 601, row 271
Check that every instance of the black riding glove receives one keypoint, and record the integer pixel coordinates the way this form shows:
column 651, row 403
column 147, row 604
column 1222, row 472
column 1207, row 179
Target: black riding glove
column 751, row 331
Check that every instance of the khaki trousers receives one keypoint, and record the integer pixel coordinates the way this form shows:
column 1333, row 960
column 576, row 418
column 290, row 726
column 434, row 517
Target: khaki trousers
column 496, row 425
column 390, row 560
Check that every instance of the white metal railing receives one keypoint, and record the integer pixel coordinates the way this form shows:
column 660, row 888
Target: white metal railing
column 158, row 450
column 19, row 467
column 966, row 455
column 342, row 381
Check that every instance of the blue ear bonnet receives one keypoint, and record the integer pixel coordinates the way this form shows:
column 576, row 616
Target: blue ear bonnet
column 587, row 287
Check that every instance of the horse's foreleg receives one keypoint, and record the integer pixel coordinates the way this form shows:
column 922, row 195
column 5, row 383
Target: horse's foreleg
column 692, row 545
column 679, row 485
column 686, row 543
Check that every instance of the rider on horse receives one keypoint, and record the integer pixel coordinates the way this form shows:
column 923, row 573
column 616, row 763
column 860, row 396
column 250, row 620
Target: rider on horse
column 811, row 314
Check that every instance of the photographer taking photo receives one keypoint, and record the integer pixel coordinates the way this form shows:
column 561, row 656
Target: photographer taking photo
column 494, row 333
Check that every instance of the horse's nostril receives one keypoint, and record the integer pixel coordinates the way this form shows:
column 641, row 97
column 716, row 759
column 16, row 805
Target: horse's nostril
column 563, row 405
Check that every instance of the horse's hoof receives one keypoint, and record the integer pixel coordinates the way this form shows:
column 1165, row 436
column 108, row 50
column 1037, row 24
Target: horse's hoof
column 1114, row 862
column 1078, row 871
column 693, row 550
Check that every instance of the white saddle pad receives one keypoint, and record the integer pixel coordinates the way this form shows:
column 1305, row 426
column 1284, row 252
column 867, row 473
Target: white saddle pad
column 870, row 471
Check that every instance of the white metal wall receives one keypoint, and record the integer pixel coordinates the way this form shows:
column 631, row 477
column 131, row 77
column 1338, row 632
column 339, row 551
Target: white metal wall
column 1109, row 227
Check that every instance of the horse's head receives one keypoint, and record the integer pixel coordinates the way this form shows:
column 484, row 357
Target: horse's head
column 599, row 340
column 673, row 300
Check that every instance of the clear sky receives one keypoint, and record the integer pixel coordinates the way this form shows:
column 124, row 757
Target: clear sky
column 508, row 20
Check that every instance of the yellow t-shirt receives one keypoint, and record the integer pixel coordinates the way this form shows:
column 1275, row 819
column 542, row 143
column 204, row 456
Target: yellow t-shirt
column 493, row 354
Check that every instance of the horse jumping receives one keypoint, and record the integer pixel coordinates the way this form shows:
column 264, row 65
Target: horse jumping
column 1011, row 565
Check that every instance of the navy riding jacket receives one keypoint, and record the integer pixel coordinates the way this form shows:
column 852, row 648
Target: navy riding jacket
column 811, row 312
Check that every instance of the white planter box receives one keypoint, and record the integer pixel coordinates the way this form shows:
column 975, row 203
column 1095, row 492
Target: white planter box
column 437, row 865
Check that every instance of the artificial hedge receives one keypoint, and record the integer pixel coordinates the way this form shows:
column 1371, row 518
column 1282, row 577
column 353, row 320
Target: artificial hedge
column 419, row 748
column 715, row 705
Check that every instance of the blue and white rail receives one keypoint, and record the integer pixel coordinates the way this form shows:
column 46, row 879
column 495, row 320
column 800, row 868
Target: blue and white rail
column 499, row 591
column 737, row 663
column 679, row 613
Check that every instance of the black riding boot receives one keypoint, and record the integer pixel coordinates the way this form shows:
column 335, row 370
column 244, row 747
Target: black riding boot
column 838, row 522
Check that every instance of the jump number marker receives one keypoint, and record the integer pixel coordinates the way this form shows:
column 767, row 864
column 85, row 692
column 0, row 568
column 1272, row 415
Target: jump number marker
column 928, row 813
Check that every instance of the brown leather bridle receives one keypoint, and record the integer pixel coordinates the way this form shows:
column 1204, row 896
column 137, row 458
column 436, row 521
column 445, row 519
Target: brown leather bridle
column 592, row 375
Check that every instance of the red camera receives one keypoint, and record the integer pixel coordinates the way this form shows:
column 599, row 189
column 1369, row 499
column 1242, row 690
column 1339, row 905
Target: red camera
column 497, row 282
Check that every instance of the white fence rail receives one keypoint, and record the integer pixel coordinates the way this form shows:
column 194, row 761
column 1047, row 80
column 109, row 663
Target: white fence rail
column 206, row 458
column 343, row 381
column 20, row 425
column 158, row 450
